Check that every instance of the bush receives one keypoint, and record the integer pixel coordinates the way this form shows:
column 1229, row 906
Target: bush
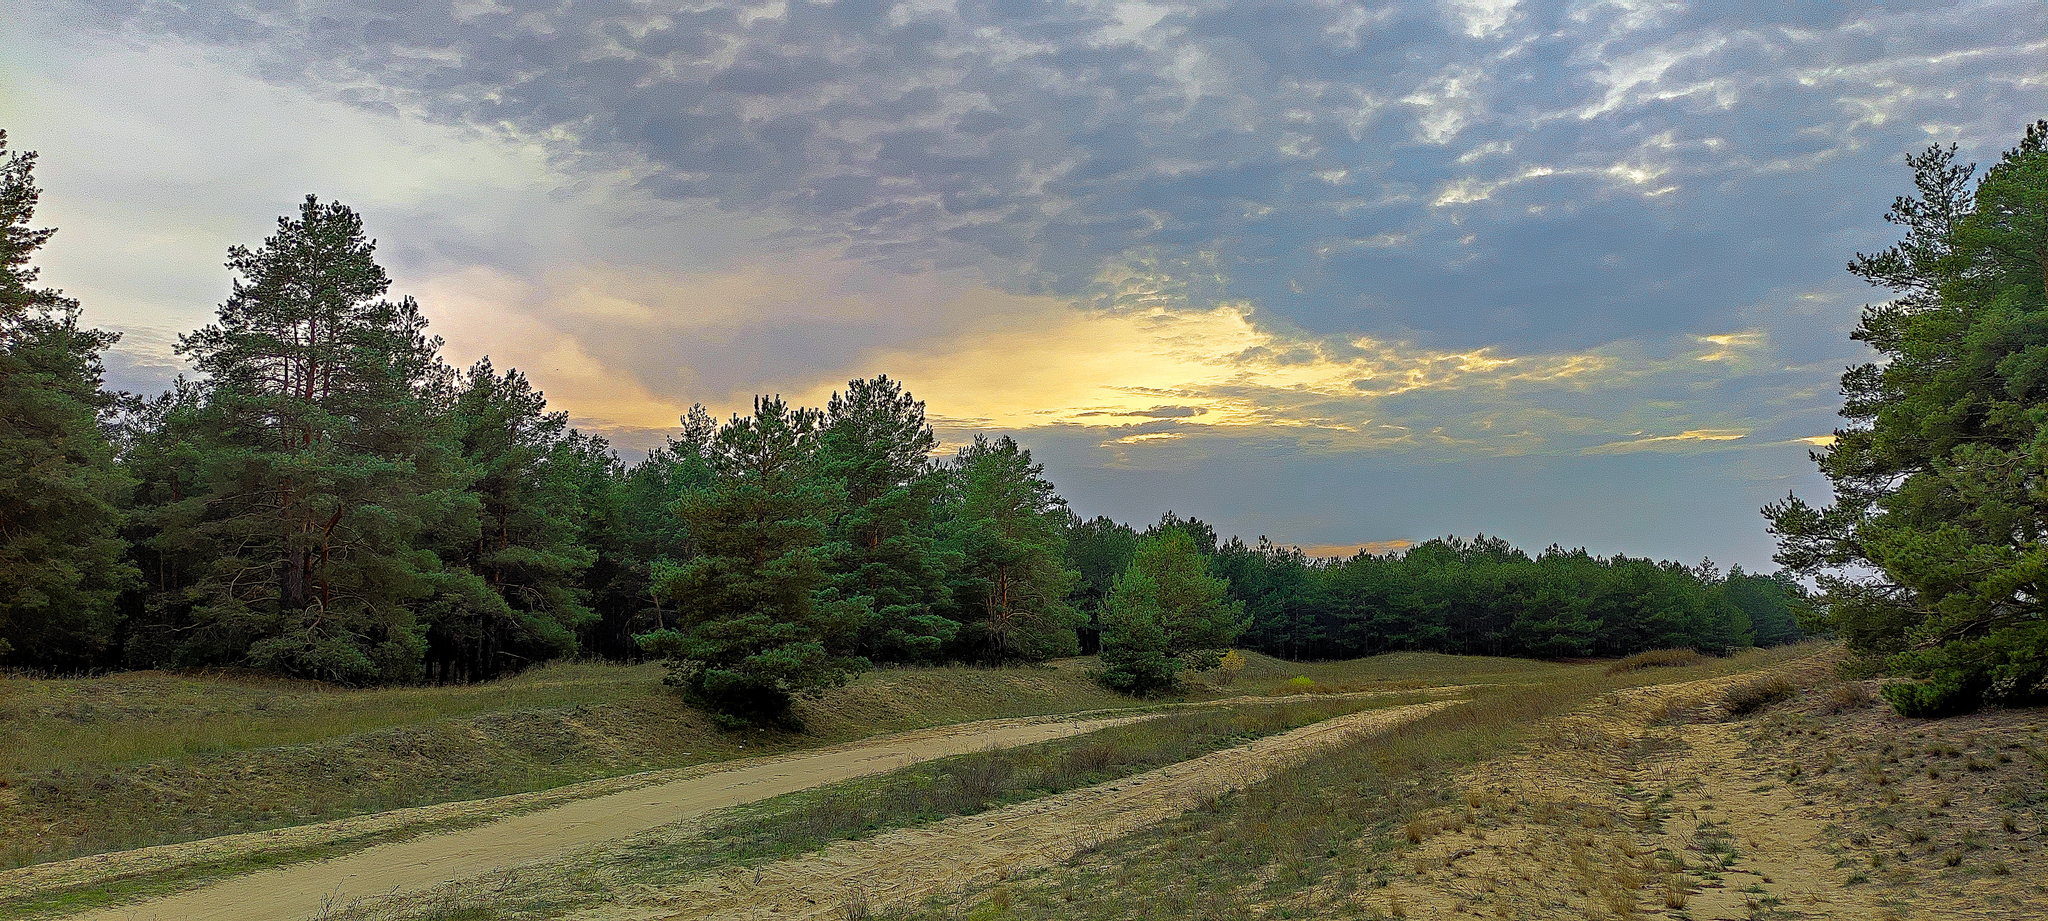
column 1229, row 666
column 1749, row 697
column 1657, row 658
column 1930, row 699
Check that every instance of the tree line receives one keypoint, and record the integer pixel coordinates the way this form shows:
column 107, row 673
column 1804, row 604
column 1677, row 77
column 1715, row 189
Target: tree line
column 328, row 498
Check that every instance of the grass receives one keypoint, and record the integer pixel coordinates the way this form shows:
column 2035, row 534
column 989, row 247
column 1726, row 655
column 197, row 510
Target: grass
column 1656, row 658
column 808, row 821
column 1335, row 823
column 1750, row 696
column 103, row 764
column 101, row 894
column 94, row 765
column 133, row 717
column 1393, row 671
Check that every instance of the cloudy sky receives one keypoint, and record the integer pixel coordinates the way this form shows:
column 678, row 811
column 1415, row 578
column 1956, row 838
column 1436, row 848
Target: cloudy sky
column 1337, row 273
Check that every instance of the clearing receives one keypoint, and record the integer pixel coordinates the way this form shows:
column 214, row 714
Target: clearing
column 1761, row 786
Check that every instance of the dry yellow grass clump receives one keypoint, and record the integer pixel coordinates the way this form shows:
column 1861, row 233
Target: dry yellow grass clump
column 1656, row 658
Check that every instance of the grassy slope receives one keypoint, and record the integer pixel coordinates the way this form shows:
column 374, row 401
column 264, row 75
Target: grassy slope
column 100, row 764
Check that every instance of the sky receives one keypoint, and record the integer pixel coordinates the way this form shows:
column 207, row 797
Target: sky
column 1339, row 274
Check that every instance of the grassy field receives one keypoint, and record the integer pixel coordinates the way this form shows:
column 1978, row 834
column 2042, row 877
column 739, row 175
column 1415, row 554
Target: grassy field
column 91, row 765
column 1310, row 840
column 805, row 822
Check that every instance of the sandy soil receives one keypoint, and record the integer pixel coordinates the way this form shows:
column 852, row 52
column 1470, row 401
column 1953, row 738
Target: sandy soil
column 903, row 866
column 303, row 890
column 1658, row 803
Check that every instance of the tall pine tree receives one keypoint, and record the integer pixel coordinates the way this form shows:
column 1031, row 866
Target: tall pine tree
column 322, row 466
column 62, row 562
column 1167, row 615
column 1935, row 550
column 510, row 593
column 883, row 552
column 1008, row 525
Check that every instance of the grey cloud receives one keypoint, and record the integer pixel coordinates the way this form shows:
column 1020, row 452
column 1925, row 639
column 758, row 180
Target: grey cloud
column 1302, row 149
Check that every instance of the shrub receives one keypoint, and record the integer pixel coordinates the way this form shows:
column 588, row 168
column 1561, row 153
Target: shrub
column 1229, row 666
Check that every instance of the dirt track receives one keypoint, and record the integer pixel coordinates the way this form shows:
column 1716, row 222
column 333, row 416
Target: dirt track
column 298, row 892
column 902, row 866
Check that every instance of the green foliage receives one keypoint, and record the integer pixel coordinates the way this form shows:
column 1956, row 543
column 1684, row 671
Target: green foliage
column 62, row 563
column 637, row 536
column 1485, row 597
column 328, row 499
column 883, row 551
column 1167, row 616
column 1283, row 594
column 319, row 468
column 1137, row 653
column 1007, row 525
column 1099, row 550
column 1932, row 552
column 754, row 628
column 509, row 591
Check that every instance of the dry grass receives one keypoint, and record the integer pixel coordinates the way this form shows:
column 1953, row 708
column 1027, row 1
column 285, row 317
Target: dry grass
column 811, row 820
column 1849, row 695
column 1750, row 696
column 133, row 717
column 1328, row 837
column 1657, row 658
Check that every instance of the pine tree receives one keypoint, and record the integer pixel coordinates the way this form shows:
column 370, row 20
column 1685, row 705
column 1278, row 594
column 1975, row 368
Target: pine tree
column 1933, row 552
column 639, row 537
column 752, row 631
column 322, row 466
column 62, row 563
column 510, row 592
column 1099, row 550
column 1167, row 616
column 1007, row 524
column 882, row 552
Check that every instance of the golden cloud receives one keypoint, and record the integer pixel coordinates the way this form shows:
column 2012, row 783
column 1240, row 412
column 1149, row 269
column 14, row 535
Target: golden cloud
column 1667, row 442
column 1346, row 551
column 627, row 350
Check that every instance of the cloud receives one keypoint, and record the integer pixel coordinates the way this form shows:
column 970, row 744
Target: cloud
column 1159, row 235
column 1346, row 551
column 1044, row 146
column 1680, row 441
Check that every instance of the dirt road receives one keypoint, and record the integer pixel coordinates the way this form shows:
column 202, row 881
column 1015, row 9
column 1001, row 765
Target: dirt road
column 902, row 866
column 298, row 892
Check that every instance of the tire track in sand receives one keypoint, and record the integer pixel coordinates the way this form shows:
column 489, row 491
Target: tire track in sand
column 902, row 866
column 302, row 890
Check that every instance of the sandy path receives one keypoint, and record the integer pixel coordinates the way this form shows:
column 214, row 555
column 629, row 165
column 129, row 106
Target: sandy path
column 903, row 866
column 300, row 891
